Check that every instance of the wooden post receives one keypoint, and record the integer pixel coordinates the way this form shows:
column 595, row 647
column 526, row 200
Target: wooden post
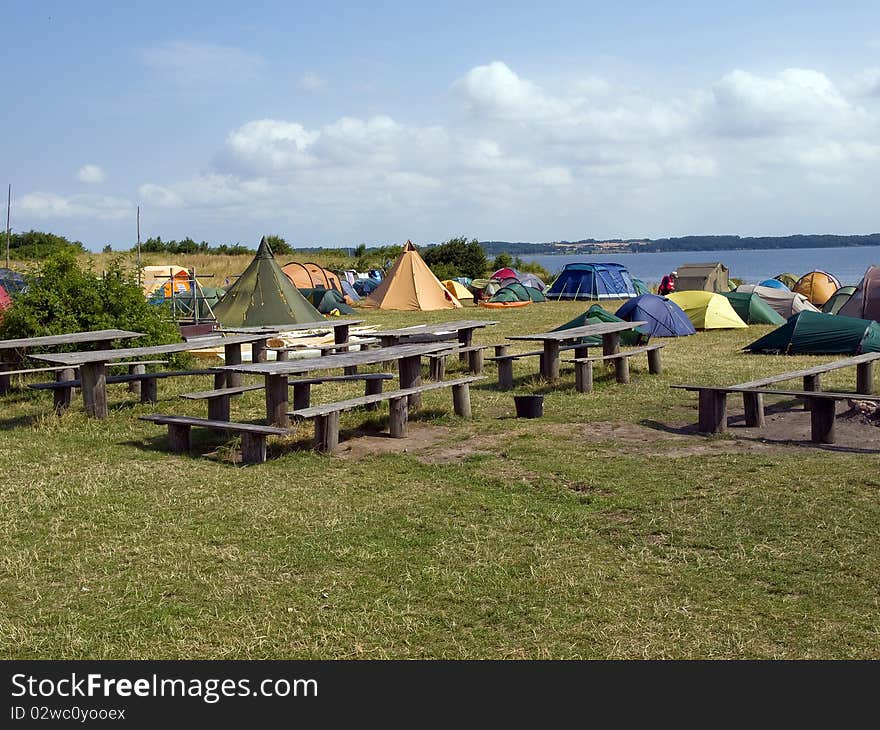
column 621, row 369
column 475, row 361
column 409, row 373
column 822, row 420
column 93, row 376
column 812, row 383
column 461, row 400
column 583, row 377
column 150, row 390
column 505, row 373
column 865, row 378
column 5, row 381
column 350, row 369
column 218, row 408
column 713, row 411
column 397, row 417
column 178, row 437
column 372, row 386
column 219, row 380
column 437, row 367
column 500, row 350
column 753, row 405
column 302, row 396
column 655, row 367
column 276, row 400
column 327, row 432
column 340, row 334
column 282, row 355
column 232, row 356
column 581, row 351
column 253, row 448
column 611, row 343
column 134, row 386
column 465, row 338
column 550, row 366
column 258, row 351
column 63, row 396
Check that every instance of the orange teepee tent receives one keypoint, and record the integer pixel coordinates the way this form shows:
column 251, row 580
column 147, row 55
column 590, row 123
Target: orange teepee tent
column 410, row 284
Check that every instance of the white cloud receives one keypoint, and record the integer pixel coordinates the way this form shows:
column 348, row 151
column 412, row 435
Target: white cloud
column 310, row 81
column 193, row 64
column 269, row 144
column 47, row 206
column 867, row 82
column 91, row 174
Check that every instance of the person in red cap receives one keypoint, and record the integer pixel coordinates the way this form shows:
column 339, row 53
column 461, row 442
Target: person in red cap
column 667, row 283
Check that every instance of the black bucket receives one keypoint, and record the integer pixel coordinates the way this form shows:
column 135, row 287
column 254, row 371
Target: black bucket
column 529, row 406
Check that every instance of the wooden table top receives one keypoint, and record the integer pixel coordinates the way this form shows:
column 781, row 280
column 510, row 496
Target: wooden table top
column 275, row 328
column 420, row 329
column 574, row 333
column 340, row 360
column 199, row 343
column 71, row 338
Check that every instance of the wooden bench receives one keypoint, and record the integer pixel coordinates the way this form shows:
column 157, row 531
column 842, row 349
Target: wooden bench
column 65, row 372
column 253, row 436
column 583, row 366
column 327, row 415
column 149, row 391
column 713, row 408
column 218, row 399
column 302, row 388
column 437, row 360
column 505, row 360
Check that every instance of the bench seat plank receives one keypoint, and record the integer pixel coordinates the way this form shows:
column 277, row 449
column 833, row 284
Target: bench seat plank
column 255, row 428
column 219, row 392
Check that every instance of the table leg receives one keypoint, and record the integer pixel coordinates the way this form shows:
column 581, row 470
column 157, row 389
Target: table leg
column 340, row 334
column 259, row 353
column 276, row 400
column 232, row 356
column 93, row 377
column 550, row 364
column 611, row 343
column 465, row 339
column 865, row 378
column 5, row 379
column 409, row 372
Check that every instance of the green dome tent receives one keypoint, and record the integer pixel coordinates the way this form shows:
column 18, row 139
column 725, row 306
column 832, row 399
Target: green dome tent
column 263, row 295
column 596, row 315
column 752, row 309
column 516, row 292
column 838, row 299
column 786, row 278
column 815, row 333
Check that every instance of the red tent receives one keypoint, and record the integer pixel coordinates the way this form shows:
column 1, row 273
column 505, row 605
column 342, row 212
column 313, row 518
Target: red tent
column 506, row 273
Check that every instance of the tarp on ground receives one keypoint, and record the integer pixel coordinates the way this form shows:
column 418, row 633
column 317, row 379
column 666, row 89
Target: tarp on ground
column 584, row 281
column 752, row 309
column 263, row 295
column 817, row 286
column 707, row 310
column 596, row 315
column 784, row 303
column 838, row 299
column 664, row 317
column 712, row 276
column 411, row 285
column 816, row 333
column 457, row 289
column 865, row 300
column 786, row 278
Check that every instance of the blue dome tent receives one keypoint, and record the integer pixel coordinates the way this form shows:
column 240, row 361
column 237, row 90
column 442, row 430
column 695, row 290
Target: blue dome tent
column 774, row 284
column 664, row 317
column 592, row 281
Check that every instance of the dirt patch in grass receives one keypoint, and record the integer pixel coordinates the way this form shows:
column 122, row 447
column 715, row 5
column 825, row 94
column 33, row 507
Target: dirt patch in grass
column 429, row 444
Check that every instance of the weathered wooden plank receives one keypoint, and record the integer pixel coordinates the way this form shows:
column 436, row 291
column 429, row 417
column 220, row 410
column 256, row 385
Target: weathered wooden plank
column 71, row 338
column 219, row 425
column 579, row 332
column 200, row 395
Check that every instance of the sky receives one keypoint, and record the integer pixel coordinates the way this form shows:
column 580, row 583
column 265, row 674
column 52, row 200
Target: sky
column 346, row 123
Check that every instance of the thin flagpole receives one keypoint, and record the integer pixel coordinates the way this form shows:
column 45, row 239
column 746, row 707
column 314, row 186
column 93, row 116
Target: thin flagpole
column 8, row 207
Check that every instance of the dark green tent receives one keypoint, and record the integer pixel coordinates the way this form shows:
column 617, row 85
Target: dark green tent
column 815, row 333
column 786, row 278
column 641, row 287
column 327, row 300
column 838, row 299
column 752, row 309
column 516, row 292
column 263, row 295
column 597, row 315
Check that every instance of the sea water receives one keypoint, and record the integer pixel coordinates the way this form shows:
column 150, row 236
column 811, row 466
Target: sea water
column 847, row 264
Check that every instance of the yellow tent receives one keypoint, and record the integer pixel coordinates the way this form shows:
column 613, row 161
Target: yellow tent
column 817, row 286
column 707, row 310
column 410, row 284
column 170, row 278
column 458, row 290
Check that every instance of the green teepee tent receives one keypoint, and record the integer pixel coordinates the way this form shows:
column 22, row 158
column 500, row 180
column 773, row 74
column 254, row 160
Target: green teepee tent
column 752, row 309
column 263, row 295
column 815, row 333
column 596, row 315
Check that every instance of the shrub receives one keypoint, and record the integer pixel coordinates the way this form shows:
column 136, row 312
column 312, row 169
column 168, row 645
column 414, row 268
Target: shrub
column 457, row 257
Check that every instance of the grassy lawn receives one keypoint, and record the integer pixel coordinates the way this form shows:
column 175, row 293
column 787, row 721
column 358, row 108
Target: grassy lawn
column 598, row 531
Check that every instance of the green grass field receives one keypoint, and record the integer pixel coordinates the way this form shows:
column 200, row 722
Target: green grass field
column 595, row 532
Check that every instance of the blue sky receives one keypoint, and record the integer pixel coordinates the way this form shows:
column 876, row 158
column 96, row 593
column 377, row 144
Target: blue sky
column 355, row 122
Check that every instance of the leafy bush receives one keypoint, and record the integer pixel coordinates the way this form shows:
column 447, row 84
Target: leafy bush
column 505, row 260
column 40, row 245
column 63, row 297
column 457, row 257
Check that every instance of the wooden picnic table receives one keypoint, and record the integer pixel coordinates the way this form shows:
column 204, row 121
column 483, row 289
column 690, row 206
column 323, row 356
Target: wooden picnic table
column 93, row 364
column 609, row 331
column 71, row 338
column 340, row 329
column 463, row 329
column 409, row 368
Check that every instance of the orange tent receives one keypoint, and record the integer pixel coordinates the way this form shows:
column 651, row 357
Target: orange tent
column 311, row 276
column 817, row 286
column 409, row 285
column 170, row 278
